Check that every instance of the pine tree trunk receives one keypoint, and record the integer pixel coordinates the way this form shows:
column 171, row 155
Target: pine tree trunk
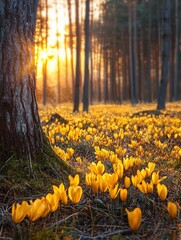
column 71, row 45
column 135, row 59
column 165, row 54
column 86, row 66
column 131, row 54
column 58, row 56
column 176, row 53
column 20, row 129
column 77, row 78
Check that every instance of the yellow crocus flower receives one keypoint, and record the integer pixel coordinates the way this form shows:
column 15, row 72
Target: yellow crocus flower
column 113, row 158
column 118, row 169
column 139, row 174
column 156, row 179
column 103, row 180
column 74, row 181
column 126, row 163
column 100, row 168
column 53, row 200
column 150, row 168
column 19, row 211
column 150, row 187
column 113, row 191
column 134, row 218
column 89, row 178
column 79, row 160
column 143, row 187
column 143, row 173
column 75, row 193
column 97, row 169
column 127, row 182
column 113, row 178
column 39, row 208
column 95, row 186
column 123, row 194
column 70, row 152
column 61, row 191
column 137, row 161
column 93, row 168
column 162, row 191
column 136, row 180
column 172, row 209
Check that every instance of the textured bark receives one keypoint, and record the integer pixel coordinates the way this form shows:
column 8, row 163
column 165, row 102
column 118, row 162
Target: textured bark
column 130, row 53
column 149, row 81
column 58, row 57
column 77, row 78
column 135, row 58
column 71, row 45
column 20, row 128
column 86, row 66
column 91, row 53
column 175, row 95
column 165, row 54
column 45, row 60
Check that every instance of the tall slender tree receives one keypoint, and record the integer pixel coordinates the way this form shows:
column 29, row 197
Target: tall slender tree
column 86, row 65
column 45, row 60
column 165, row 54
column 130, row 52
column 78, row 46
column 175, row 91
column 71, row 45
column 58, row 55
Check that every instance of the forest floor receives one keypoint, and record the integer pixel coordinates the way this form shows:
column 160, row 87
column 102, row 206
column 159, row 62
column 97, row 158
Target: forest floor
column 133, row 135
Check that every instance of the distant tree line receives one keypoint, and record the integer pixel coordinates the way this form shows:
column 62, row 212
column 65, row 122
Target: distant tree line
column 124, row 47
column 130, row 39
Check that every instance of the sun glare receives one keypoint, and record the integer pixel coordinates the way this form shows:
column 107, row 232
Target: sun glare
column 57, row 22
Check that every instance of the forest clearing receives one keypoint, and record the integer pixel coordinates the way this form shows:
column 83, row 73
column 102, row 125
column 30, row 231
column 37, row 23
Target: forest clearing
column 122, row 153
column 90, row 119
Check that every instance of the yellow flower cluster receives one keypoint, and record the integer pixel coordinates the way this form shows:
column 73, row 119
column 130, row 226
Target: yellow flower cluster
column 40, row 207
column 62, row 154
column 117, row 183
column 123, row 143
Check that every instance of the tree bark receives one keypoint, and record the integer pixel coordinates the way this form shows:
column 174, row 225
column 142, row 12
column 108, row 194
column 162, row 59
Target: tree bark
column 130, row 53
column 165, row 54
column 86, row 66
column 58, row 56
column 71, row 46
column 175, row 91
column 135, row 58
column 77, row 78
column 20, row 129
column 45, row 60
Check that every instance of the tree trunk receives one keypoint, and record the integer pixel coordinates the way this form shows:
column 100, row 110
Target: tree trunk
column 165, row 54
column 176, row 53
column 58, row 57
column 19, row 121
column 135, row 59
column 77, row 78
column 71, row 45
column 91, row 55
column 130, row 53
column 45, row 60
column 86, row 66
column 149, row 82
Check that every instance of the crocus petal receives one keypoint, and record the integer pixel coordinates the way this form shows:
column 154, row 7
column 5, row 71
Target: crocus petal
column 134, row 218
column 172, row 209
column 19, row 211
